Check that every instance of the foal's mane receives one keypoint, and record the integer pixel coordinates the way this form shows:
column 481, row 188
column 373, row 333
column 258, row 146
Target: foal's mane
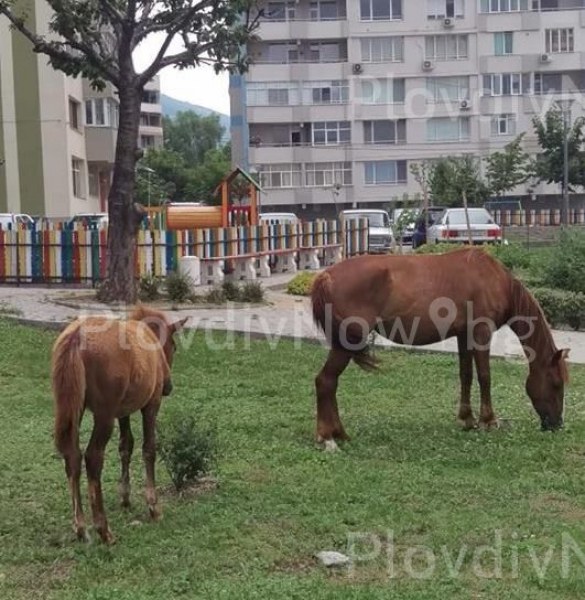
column 154, row 319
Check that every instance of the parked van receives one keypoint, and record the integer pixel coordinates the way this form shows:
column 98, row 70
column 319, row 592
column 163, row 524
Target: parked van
column 381, row 237
column 11, row 220
column 278, row 218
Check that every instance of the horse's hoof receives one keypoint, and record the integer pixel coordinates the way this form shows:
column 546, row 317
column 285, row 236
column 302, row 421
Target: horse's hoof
column 125, row 503
column 155, row 513
column 489, row 425
column 467, row 424
column 82, row 535
column 107, row 537
column 330, row 446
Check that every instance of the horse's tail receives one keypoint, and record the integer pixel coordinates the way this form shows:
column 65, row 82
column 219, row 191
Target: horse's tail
column 68, row 374
column 331, row 322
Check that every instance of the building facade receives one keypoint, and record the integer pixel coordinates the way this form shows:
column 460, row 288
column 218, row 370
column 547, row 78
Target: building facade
column 344, row 96
column 57, row 134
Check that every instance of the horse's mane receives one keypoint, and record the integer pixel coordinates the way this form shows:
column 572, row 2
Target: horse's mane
column 145, row 313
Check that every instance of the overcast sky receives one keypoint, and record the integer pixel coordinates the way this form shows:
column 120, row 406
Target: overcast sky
column 198, row 86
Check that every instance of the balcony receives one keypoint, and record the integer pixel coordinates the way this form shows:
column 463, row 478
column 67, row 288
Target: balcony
column 299, row 52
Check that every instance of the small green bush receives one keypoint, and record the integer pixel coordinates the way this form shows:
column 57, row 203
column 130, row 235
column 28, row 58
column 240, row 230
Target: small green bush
column 179, row 287
column 252, row 291
column 187, row 450
column 565, row 267
column 301, row 284
column 561, row 307
column 215, row 295
column 512, row 256
column 440, row 248
column 231, row 291
column 149, row 287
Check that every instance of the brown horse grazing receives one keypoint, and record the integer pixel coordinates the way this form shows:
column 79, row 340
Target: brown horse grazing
column 112, row 368
column 419, row 300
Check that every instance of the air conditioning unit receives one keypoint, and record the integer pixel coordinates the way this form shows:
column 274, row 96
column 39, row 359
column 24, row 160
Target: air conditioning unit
column 448, row 23
column 545, row 58
column 465, row 105
column 357, row 68
column 428, row 65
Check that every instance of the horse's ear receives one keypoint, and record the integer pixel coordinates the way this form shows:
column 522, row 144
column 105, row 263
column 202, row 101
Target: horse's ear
column 178, row 325
column 558, row 363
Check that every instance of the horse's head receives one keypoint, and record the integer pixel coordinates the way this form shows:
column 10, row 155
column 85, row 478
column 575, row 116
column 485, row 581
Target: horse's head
column 546, row 388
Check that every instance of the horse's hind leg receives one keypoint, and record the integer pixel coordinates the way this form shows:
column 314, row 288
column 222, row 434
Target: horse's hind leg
column 328, row 422
column 465, row 416
column 94, row 462
column 125, row 449
column 149, row 413
column 72, row 458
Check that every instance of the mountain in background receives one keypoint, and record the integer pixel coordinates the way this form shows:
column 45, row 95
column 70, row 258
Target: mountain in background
column 171, row 106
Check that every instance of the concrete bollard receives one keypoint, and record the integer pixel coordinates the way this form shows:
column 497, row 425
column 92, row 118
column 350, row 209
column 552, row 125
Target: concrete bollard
column 191, row 267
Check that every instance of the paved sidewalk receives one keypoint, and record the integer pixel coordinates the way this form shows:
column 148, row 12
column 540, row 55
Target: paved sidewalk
column 285, row 317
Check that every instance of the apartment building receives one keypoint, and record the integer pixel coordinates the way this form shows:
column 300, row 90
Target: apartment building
column 343, row 96
column 57, row 135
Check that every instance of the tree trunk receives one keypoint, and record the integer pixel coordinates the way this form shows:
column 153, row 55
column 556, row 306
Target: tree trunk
column 467, row 222
column 124, row 215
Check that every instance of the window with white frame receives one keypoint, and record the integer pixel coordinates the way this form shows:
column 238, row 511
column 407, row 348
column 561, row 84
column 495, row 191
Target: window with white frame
column 503, row 43
column 280, row 11
column 382, row 49
column 326, row 92
column 559, row 40
column 385, row 131
column 274, row 93
column 445, row 9
column 326, row 52
column 74, row 106
column 446, row 129
column 93, row 181
column 101, row 112
column 326, row 10
column 502, row 84
column 447, row 89
column 380, row 10
column 504, row 124
column 283, row 53
column 382, row 91
column 385, row 172
column 280, row 175
column 77, row 177
column 331, row 133
column 323, row 174
column 446, row 47
column 496, row 6
column 147, row 142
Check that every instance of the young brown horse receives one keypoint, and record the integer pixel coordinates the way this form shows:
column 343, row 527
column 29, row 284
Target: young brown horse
column 419, row 300
column 112, row 368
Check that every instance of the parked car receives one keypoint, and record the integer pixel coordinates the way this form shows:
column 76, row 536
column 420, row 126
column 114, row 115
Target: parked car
column 381, row 237
column 11, row 220
column 419, row 235
column 452, row 227
column 92, row 220
column 278, row 218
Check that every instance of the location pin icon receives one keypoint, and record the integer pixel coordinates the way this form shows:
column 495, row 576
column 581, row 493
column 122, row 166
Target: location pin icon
column 443, row 312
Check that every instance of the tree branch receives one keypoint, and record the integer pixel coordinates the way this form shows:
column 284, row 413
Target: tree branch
column 110, row 10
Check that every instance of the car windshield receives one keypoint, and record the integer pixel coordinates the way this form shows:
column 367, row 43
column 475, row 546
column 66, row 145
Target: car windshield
column 477, row 216
column 374, row 219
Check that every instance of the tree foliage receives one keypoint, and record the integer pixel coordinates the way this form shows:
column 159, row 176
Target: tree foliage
column 452, row 176
column 508, row 168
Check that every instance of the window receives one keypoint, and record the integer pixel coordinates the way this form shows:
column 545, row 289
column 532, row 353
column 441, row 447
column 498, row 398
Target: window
column 495, row 6
column 445, row 129
column 283, row 53
column 383, row 91
column 326, row 52
column 277, row 93
column 149, row 120
column 502, row 84
column 447, row 89
column 380, row 10
column 385, row 132
column 446, row 47
column 384, row 172
column 326, row 92
column 382, row 49
column 327, row 174
column 77, row 177
column 280, row 11
column 147, row 141
column 559, row 40
column 331, row 133
column 443, row 9
column 73, row 113
column 93, row 182
column 325, row 11
column 286, row 175
column 503, row 125
column 101, row 112
column 150, row 97
column 503, row 45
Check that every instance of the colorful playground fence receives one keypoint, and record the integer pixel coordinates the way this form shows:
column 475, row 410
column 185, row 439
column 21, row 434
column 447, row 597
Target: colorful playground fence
column 537, row 217
column 65, row 255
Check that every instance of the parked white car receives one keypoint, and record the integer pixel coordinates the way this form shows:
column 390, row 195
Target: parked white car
column 381, row 237
column 278, row 218
column 451, row 226
column 11, row 220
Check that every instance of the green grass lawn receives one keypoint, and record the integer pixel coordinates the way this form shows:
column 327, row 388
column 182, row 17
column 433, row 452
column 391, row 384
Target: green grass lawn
column 409, row 472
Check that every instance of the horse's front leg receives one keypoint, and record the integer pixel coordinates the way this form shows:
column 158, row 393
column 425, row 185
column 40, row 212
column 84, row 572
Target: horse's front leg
column 149, row 413
column 125, row 449
column 329, row 424
column 465, row 416
column 487, row 418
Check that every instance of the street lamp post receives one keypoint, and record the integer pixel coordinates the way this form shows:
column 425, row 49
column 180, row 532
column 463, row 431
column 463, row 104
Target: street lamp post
column 565, row 106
